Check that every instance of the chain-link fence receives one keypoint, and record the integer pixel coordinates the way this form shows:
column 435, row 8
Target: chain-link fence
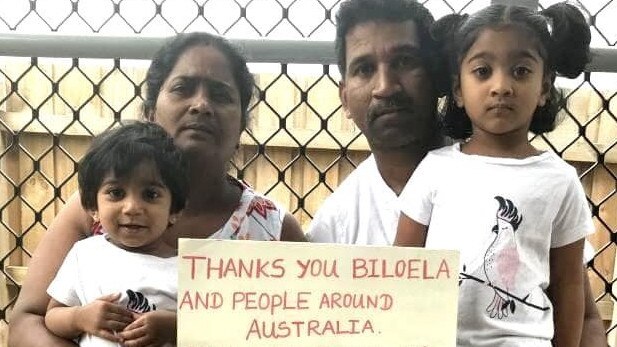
column 56, row 92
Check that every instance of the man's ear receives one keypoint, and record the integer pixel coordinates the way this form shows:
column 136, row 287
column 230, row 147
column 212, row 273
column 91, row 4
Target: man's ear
column 546, row 91
column 456, row 91
column 343, row 97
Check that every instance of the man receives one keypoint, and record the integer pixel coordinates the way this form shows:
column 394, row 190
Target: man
column 389, row 88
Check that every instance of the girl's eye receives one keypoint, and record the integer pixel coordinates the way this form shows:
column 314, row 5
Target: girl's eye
column 521, row 71
column 115, row 193
column 151, row 194
column 481, row 71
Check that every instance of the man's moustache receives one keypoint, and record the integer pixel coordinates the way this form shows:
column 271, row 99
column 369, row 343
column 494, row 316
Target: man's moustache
column 389, row 105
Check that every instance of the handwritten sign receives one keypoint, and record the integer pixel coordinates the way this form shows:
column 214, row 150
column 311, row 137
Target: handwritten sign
column 250, row 293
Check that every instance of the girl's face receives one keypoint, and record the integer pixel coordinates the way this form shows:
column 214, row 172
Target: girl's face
column 501, row 83
column 135, row 210
column 199, row 104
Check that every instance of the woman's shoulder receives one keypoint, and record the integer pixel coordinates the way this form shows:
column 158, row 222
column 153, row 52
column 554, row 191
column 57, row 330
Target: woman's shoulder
column 257, row 217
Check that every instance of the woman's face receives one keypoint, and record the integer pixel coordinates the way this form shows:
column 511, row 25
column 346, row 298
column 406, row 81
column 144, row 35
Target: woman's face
column 199, row 104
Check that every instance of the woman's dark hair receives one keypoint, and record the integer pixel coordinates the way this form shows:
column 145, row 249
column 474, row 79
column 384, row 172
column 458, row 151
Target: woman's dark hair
column 562, row 37
column 120, row 150
column 167, row 56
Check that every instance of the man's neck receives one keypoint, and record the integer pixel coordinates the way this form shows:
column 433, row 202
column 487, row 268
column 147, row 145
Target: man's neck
column 396, row 166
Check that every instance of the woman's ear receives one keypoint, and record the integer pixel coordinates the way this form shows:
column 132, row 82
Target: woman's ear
column 456, row 91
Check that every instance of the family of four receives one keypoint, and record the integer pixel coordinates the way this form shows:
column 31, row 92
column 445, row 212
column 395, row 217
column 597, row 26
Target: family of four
column 105, row 271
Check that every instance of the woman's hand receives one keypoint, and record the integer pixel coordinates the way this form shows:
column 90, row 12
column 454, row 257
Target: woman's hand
column 154, row 328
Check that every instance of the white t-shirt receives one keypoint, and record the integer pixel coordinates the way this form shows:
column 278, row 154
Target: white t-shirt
column 363, row 210
column 94, row 267
column 503, row 215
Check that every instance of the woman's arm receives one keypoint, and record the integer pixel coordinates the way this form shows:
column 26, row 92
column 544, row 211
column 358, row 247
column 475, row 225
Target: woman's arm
column 27, row 325
column 594, row 334
column 566, row 293
column 410, row 233
column 291, row 230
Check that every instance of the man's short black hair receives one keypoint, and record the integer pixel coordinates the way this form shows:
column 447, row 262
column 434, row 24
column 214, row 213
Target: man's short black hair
column 120, row 150
column 354, row 12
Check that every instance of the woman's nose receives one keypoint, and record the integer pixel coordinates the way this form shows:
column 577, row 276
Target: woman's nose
column 200, row 103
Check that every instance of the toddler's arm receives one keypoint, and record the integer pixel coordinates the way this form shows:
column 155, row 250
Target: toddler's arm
column 153, row 328
column 101, row 318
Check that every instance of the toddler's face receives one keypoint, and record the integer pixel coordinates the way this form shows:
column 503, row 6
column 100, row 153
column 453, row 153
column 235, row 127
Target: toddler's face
column 135, row 210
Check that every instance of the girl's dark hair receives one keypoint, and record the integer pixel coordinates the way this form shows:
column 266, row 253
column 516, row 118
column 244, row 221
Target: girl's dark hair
column 120, row 150
column 562, row 37
column 167, row 56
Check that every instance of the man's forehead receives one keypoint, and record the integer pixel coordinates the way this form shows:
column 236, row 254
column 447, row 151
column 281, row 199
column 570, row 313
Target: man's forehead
column 381, row 38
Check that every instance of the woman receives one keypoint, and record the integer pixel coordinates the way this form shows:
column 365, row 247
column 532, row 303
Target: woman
column 198, row 89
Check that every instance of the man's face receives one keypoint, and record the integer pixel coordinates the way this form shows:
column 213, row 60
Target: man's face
column 387, row 90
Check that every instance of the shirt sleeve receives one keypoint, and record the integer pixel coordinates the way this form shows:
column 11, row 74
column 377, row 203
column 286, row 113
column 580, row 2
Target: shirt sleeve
column 323, row 227
column 63, row 288
column 416, row 199
column 573, row 220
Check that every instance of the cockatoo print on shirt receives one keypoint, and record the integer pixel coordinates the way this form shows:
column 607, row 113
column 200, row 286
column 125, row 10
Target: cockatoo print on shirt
column 501, row 260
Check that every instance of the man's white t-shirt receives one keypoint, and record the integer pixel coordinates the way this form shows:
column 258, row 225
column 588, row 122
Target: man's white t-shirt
column 363, row 210
column 503, row 215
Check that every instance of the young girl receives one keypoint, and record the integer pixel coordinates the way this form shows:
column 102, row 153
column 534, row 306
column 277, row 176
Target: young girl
column 517, row 215
column 133, row 182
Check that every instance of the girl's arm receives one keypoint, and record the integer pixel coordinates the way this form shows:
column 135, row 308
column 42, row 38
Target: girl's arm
column 566, row 293
column 410, row 233
column 27, row 325
column 594, row 334
column 291, row 230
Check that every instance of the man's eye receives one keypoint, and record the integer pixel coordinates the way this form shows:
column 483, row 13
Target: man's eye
column 364, row 70
column 407, row 62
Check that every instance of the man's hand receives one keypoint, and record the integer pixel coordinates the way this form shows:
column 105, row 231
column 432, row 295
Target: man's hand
column 150, row 329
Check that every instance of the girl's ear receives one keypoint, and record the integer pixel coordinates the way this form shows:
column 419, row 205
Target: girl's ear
column 173, row 217
column 546, row 91
column 456, row 91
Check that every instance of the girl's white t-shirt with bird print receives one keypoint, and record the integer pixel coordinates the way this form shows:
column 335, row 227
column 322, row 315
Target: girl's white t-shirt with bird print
column 503, row 215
